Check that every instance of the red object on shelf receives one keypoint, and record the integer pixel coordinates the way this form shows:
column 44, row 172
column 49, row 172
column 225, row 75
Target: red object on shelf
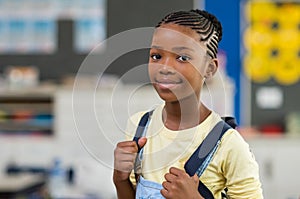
column 22, row 115
column 273, row 129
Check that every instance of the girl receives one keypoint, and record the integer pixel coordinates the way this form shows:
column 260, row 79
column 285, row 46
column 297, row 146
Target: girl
column 183, row 54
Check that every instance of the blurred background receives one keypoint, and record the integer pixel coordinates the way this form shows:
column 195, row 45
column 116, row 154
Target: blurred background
column 62, row 109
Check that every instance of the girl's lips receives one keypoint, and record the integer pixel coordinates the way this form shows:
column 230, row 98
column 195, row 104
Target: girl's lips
column 167, row 84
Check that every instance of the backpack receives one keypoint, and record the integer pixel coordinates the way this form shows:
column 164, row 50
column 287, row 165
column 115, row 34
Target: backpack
column 201, row 158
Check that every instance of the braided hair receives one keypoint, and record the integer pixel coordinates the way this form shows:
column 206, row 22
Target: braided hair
column 204, row 23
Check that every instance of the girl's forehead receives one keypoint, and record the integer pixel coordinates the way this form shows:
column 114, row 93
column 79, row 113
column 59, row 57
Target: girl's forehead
column 176, row 36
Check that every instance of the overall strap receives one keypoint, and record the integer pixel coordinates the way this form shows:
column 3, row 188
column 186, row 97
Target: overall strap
column 203, row 155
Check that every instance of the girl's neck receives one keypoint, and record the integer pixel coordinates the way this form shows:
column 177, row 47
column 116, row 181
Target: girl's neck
column 184, row 114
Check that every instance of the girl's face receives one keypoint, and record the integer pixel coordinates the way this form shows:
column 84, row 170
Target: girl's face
column 178, row 62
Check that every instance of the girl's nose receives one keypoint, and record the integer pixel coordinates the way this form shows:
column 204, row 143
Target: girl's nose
column 167, row 67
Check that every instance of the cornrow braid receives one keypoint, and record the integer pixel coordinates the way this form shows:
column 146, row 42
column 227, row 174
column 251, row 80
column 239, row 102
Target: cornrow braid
column 204, row 23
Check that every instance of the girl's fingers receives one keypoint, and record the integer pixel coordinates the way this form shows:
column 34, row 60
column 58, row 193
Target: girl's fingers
column 128, row 146
column 170, row 177
column 177, row 172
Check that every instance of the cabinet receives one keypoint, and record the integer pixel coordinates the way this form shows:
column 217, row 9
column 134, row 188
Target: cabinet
column 279, row 166
column 26, row 113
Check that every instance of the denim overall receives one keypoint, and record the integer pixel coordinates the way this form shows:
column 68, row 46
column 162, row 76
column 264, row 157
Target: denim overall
column 197, row 163
column 147, row 189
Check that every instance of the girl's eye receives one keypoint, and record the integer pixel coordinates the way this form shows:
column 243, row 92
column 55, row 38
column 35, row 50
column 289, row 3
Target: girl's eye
column 184, row 58
column 155, row 56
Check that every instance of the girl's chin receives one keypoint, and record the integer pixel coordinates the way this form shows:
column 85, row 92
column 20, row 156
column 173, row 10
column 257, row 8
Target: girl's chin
column 170, row 94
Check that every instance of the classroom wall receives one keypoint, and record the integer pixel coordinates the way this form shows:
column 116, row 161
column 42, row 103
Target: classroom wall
column 121, row 16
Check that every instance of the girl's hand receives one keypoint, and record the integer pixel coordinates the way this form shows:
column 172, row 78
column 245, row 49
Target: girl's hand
column 179, row 185
column 124, row 157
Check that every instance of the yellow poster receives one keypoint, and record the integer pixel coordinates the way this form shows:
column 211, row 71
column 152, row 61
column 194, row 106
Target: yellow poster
column 271, row 40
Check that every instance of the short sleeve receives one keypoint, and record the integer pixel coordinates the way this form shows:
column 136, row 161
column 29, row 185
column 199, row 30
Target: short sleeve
column 240, row 168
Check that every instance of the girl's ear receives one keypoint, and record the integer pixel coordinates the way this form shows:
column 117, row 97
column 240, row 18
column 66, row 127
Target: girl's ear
column 212, row 68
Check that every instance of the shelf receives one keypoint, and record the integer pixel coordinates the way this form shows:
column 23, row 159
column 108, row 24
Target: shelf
column 26, row 114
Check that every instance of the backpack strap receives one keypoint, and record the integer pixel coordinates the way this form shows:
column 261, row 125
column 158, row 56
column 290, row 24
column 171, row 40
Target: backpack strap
column 231, row 121
column 142, row 128
column 203, row 155
column 140, row 131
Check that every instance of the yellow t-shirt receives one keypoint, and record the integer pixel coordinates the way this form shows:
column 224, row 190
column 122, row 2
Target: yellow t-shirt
column 233, row 165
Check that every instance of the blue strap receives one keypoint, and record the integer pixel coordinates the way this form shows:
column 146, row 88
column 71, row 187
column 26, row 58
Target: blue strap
column 140, row 131
column 205, row 148
column 203, row 155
